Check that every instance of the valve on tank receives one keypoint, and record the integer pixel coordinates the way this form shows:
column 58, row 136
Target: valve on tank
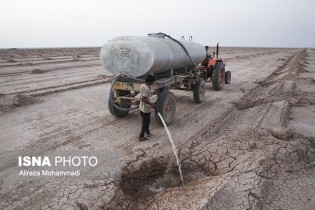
column 157, row 35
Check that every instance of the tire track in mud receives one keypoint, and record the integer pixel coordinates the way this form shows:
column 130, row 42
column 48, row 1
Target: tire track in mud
column 50, row 61
column 31, row 71
column 229, row 116
column 255, row 54
column 43, row 83
column 36, row 69
column 9, row 102
column 60, row 136
column 231, row 152
column 277, row 110
column 65, row 87
column 73, row 73
column 230, row 164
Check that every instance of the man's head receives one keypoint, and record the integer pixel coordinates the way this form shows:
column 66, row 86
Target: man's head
column 206, row 47
column 149, row 79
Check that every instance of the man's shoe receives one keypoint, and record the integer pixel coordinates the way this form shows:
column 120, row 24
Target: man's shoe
column 143, row 139
column 148, row 135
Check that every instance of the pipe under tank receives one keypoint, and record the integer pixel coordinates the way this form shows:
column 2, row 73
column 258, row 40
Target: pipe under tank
column 141, row 55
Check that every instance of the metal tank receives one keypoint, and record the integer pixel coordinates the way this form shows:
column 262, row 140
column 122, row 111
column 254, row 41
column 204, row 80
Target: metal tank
column 141, row 55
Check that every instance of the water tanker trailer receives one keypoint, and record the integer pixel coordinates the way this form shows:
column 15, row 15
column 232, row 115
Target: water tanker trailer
column 174, row 64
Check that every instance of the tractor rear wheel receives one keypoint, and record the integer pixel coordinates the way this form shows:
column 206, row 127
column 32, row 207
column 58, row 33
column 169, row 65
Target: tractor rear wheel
column 114, row 110
column 218, row 76
column 166, row 105
column 227, row 77
column 199, row 91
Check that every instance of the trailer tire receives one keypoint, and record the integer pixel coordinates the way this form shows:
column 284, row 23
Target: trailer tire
column 227, row 77
column 218, row 76
column 199, row 91
column 112, row 109
column 166, row 105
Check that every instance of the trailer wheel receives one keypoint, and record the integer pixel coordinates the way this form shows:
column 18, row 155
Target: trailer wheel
column 227, row 77
column 112, row 109
column 166, row 105
column 218, row 76
column 199, row 91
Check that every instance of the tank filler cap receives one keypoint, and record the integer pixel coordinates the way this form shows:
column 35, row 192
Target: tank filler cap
column 157, row 35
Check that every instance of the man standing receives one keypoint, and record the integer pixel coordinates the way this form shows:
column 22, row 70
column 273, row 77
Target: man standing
column 209, row 55
column 145, row 106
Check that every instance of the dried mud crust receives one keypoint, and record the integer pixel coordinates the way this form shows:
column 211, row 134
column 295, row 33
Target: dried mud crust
column 234, row 164
column 259, row 154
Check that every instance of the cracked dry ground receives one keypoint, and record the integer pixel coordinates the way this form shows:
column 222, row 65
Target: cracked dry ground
column 256, row 152
column 259, row 155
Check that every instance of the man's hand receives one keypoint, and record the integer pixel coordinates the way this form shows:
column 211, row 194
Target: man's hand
column 146, row 101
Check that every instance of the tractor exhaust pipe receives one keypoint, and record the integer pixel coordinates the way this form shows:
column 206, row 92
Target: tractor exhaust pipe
column 217, row 50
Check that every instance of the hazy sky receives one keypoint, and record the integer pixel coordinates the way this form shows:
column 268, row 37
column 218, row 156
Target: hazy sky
column 72, row 23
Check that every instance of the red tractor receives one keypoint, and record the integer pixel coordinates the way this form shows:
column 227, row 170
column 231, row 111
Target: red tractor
column 213, row 68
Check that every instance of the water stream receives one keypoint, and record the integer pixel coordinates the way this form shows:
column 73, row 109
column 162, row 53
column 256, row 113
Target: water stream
column 174, row 149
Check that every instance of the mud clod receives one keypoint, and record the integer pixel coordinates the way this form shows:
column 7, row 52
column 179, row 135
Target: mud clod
column 37, row 71
column 281, row 133
column 11, row 61
column 10, row 102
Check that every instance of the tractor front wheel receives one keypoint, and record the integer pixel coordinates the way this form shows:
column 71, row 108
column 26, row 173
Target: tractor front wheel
column 199, row 91
column 227, row 77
